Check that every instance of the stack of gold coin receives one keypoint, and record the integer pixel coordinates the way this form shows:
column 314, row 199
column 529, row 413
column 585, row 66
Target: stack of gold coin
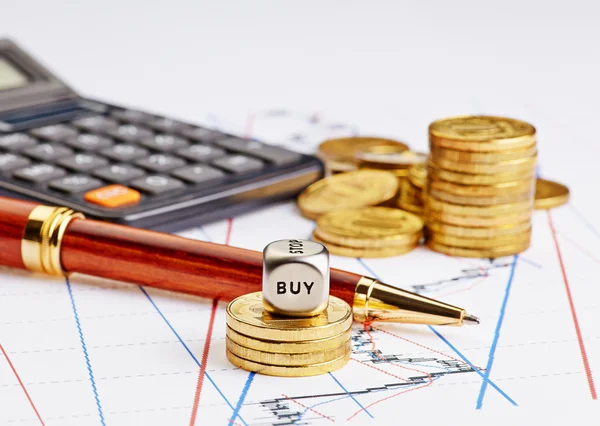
column 339, row 154
column 411, row 190
column 287, row 346
column 480, row 186
column 355, row 189
column 369, row 232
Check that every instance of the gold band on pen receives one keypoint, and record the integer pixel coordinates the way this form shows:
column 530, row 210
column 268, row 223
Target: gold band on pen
column 40, row 246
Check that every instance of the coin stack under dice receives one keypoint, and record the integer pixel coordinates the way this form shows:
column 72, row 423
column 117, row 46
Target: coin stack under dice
column 480, row 186
column 293, row 328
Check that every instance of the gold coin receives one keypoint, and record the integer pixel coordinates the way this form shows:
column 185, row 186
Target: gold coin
column 247, row 316
column 478, row 221
column 522, row 166
column 480, row 243
column 417, row 174
column 472, row 232
column 369, row 226
column 289, row 347
column 478, row 253
column 411, row 208
column 364, row 252
column 410, row 194
column 477, row 179
column 344, row 149
column 481, row 200
column 347, row 190
column 435, row 204
column 481, row 157
column 289, row 359
column 367, row 244
column 497, row 190
column 333, row 167
column 549, row 194
column 282, row 371
column 481, row 133
column 386, row 157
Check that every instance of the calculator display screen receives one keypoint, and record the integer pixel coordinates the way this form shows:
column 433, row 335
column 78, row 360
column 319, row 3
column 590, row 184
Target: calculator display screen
column 10, row 76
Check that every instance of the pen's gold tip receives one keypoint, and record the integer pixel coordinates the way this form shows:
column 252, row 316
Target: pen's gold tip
column 470, row 319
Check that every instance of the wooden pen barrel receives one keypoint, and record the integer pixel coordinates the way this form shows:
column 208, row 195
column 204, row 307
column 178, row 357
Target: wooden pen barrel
column 151, row 258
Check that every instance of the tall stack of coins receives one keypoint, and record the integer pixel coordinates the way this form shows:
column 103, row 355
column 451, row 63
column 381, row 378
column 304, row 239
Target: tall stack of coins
column 480, row 186
column 287, row 346
column 411, row 190
column 369, row 232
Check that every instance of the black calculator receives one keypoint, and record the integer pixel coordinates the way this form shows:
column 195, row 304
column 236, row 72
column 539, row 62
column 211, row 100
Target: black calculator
column 128, row 166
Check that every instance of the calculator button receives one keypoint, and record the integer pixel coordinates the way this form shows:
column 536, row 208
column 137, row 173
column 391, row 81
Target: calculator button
column 82, row 162
column 238, row 163
column 131, row 116
column 39, row 173
column 118, row 173
column 74, row 184
column 11, row 161
column 17, row 142
column 98, row 123
column 54, row 133
column 263, row 151
column 199, row 173
column 160, row 162
column 130, row 132
column 157, row 184
column 198, row 134
column 201, row 153
column 164, row 142
column 48, row 151
column 113, row 196
column 124, row 153
column 88, row 142
column 167, row 125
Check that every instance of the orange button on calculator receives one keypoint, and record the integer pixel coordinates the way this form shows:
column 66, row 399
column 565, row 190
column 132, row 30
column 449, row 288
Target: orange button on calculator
column 113, row 196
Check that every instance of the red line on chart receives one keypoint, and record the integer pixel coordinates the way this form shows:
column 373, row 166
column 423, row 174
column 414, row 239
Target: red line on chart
column 229, row 227
column 211, row 324
column 308, row 408
column 12, row 367
column 584, row 357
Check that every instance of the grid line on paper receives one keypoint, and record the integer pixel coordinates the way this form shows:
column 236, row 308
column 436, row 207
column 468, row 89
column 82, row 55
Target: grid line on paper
column 202, row 371
column 85, row 352
column 240, row 401
column 350, row 395
column 188, row 350
column 450, row 345
column 492, row 353
column 584, row 357
column 14, row 370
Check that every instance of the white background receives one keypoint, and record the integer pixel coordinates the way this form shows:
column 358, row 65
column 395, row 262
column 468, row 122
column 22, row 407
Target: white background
column 389, row 68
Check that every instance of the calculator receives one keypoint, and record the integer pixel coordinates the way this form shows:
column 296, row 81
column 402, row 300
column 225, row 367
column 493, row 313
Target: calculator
column 129, row 166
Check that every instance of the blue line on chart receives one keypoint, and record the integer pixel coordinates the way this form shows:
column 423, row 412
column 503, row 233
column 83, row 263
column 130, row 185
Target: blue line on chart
column 188, row 350
column 451, row 346
column 488, row 368
column 464, row 358
column 85, row 352
column 242, row 397
column 350, row 395
column 587, row 223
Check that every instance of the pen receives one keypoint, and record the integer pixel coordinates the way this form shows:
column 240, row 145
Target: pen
column 59, row 241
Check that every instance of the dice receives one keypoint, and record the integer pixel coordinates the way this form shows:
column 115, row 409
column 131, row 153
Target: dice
column 295, row 278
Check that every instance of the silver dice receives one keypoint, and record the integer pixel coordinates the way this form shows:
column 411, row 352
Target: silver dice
column 295, row 278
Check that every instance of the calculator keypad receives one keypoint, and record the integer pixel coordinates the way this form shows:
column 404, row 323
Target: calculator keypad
column 75, row 184
column 108, row 160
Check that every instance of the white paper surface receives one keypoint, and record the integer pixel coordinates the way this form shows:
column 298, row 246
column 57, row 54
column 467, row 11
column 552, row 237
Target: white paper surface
column 89, row 351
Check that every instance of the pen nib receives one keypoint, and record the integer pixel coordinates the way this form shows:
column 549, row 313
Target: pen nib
column 470, row 319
